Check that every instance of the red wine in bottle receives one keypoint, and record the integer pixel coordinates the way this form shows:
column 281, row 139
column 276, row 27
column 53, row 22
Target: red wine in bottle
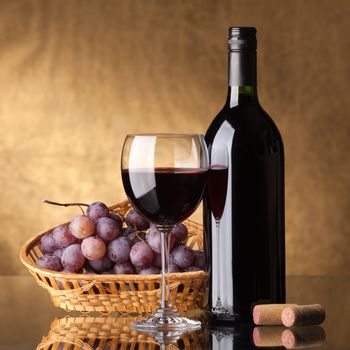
column 251, row 244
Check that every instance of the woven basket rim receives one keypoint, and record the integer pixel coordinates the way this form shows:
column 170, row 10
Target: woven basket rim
column 33, row 268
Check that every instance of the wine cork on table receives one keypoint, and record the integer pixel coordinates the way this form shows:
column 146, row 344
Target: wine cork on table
column 269, row 314
column 268, row 336
column 303, row 315
column 303, row 337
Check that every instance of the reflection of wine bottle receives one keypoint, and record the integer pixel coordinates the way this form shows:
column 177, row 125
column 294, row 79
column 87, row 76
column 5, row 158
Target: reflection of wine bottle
column 233, row 338
column 251, row 258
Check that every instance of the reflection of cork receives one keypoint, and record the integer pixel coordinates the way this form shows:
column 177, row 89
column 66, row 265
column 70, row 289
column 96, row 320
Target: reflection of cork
column 303, row 315
column 303, row 337
column 269, row 314
column 269, row 336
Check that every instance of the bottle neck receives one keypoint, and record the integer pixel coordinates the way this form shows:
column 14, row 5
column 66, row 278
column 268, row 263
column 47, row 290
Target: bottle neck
column 242, row 78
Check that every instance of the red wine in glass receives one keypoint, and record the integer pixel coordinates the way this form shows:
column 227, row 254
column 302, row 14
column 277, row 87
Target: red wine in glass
column 217, row 189
column 165, row 196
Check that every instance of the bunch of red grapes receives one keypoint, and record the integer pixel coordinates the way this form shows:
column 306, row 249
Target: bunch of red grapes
column 105, row 243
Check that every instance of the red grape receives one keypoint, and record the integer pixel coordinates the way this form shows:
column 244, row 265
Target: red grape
column 93, row 248
column 117, row 219
column 149, row 271
column 119, row 250
column 199, row 259
column 135, row 237
column 107, row 229
column 47, row 243
column 193, row 268
column 154, row 240
column 157, row 260
column 134, row 219
column 81, row 226
column 59, row 252
column 72, row 258
column 63, row 237
column 183, row 256
column 171, row 259
column 173, row 268
column 123, row 268
column 141, row 255
column 127, row 230
column 50, row 262
column 180, row 232
column 101, row 265
column 97, row 210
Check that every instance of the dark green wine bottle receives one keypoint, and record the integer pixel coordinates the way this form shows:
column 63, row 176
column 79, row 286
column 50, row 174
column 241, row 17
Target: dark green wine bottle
column 249, row 249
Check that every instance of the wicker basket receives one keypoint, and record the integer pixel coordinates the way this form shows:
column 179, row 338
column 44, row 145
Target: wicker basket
column 109, row 333
column 121, row 293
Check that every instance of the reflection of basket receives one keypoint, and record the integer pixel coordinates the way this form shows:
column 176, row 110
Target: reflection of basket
column 122, row 293
column 108, row 333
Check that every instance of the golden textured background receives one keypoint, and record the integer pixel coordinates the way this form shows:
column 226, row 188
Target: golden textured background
column 77, row 75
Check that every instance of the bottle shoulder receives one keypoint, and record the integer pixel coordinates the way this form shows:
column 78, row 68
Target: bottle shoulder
column 246, row 124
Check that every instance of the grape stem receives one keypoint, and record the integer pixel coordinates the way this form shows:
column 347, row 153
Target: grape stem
column 80, row 205
column 142, row 240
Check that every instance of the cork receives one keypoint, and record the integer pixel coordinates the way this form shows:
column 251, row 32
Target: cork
column 303, row 337
column 269, row 314
column 303, row 315
column 268, row 336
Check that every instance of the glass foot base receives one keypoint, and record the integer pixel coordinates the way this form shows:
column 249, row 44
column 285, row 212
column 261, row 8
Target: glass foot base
column 166, row 320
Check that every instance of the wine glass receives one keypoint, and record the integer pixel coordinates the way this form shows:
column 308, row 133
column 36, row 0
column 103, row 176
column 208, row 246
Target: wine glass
column 217, row 189
column 164, row 176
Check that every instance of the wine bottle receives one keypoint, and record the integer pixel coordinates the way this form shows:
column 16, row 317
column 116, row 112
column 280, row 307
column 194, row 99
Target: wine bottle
column 249, row 249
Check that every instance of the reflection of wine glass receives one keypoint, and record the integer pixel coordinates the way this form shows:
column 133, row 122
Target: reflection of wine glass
column 164, row 176
column 217, row 189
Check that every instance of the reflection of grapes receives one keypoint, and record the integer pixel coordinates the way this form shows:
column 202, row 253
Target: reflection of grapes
column 183, row 256
column 141, row 255
column 180, row 232
column 50, row 262
column 82, row 226
column 123, row 268
column 63, row 237
column 97, row 210
column 93, row 248
column 47, row 243
column 149, row 271
column 133, row 218
column 101, row 265
column 119, row 250
column 72, row 258
column 107, row 229
column 118, row 220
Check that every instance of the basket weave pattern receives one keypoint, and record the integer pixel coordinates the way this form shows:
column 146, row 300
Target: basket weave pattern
column 120, row 293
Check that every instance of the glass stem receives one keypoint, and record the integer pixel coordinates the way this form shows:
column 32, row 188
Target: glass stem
column 165, row 292
column 218, row 301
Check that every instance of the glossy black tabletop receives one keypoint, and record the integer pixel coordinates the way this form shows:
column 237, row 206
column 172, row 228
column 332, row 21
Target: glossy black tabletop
column 29, row 321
